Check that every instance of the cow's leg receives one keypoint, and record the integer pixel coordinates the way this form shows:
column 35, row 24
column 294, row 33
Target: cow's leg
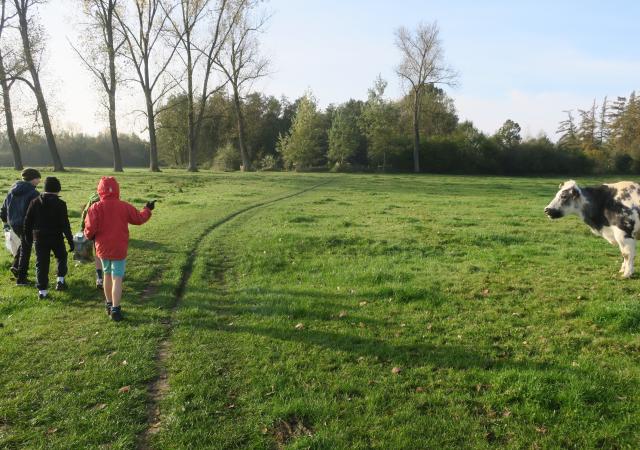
column 628, row 250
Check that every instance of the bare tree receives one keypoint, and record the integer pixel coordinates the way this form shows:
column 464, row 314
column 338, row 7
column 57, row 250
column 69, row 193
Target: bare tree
column 242, row 64
column 422, row 64
column 144, row 35
column 6, row 82
column 31, row 41
column 198, row 57
column 100, row 49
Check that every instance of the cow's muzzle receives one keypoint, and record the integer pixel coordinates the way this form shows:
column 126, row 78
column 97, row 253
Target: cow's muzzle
column 553, row 213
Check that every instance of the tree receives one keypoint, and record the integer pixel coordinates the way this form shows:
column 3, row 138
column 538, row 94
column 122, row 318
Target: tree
column 508, row 136
column 568, row 131
column 31, row 46
column 302, row 147
column 422, row 64
column 143, row 34
column 6, row 82
column 99, row 53
column 242, row 64
column 199, row 58
column 345, row 136
column 379, row 123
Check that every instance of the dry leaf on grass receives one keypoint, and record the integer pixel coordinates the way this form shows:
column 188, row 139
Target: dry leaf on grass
column 396, row 370
column 124, row 389
column 300, row 326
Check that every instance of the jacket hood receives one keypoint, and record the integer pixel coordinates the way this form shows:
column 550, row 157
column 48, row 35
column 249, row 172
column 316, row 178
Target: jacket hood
column 22, row 188
column 108, row 188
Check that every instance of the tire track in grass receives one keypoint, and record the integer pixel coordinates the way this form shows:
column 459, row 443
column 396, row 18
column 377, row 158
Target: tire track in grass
column 159, row 386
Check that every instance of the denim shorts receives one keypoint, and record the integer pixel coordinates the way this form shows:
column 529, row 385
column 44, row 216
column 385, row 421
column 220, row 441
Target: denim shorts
column 114, row 267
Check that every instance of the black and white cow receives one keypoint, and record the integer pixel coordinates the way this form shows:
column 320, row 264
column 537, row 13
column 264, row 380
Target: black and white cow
column 610, row 210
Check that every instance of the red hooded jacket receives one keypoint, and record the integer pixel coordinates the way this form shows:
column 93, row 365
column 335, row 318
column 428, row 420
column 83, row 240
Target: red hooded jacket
column 108, row 220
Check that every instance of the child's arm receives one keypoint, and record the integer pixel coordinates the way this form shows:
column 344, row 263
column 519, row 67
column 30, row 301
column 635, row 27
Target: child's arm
column 28, row 221
column 3, row 211
column 67, row 225
column 91, row 223
column 138, row 217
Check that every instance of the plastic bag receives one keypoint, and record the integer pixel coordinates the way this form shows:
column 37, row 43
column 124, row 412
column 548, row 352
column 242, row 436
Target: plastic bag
column 83, row 248
column 12, row 242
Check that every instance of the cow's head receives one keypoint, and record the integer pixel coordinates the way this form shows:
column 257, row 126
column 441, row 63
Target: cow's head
column 567, row 201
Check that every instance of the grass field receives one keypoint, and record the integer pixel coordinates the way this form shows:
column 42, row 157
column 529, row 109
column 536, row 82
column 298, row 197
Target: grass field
column 330, row 311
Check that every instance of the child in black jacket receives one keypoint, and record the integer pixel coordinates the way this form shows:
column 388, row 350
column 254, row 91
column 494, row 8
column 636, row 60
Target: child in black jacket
column 47, row 223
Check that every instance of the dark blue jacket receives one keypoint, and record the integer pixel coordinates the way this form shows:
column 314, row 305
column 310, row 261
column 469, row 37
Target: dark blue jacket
column 15, row 205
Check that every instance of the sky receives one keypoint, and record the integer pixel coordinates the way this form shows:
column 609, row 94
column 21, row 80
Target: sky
column 527, row 61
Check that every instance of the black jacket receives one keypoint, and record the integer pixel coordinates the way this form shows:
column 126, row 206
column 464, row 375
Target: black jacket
column 47, row 219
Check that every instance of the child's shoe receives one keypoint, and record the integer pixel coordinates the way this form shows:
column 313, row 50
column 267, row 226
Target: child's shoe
column 61, row 286
column 22, row 282
column 42, row 295
column 108, row 306
column 116, row 314
column 99, row 284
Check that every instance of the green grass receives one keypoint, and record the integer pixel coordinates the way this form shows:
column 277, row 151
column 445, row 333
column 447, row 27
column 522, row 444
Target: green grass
column 505, row 329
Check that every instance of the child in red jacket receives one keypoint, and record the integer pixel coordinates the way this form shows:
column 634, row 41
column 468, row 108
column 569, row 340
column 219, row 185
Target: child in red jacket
column 107, row 224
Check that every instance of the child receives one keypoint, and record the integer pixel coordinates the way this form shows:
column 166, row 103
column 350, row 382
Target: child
column 107, row 224
column 12, row 214
column 94, row 198
column 47, row 224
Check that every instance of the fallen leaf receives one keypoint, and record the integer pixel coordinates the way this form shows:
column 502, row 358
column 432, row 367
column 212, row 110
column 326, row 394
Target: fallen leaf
column 396, row 370
column 485, row 292
column 363, row 303
column 300, row 326
column 100, row 406
column 419, row 389
column 52, row 430
column 506, row 413
column 342, row 314
column 124, row 389
column 429, row 326
column 124, row 362
column 541, row 429
column 361, row 325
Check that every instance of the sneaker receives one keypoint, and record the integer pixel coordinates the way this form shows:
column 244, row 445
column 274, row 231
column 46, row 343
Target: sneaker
column 61, row 286
column 22, row 282
column 99, row 284
column 116, row 314
column 42, row 296
column 14, row 271
column 108, row 306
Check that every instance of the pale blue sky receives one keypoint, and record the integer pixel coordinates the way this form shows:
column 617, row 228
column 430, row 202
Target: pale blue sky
column 525, row 60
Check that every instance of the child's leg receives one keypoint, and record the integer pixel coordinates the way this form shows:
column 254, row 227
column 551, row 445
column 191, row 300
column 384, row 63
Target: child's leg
column 108, row 287
column 116, row 290
column 43, row 258
column 60, row 252
column 98, row 268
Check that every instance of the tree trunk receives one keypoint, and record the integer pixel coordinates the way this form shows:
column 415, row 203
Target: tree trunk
column 37, row 90
column 191, row 138
column 153, row 144
column 113, row 127
column 246, row 161
column 11, row 134
column 117, row 156
column 416, row 131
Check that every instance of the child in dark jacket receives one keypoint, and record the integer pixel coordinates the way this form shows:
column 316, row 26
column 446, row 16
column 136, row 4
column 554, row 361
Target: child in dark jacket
column 47, row 223
column 12, row 213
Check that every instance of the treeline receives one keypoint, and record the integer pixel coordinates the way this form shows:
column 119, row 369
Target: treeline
column 371, row 135
column 76, row 149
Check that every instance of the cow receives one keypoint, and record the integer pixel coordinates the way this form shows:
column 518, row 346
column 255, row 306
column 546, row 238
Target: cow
column 610, row 210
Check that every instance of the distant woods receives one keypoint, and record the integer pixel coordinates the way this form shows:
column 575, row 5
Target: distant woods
column 194, row 64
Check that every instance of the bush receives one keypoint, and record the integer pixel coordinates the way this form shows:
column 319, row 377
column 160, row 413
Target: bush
column 227, row 158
